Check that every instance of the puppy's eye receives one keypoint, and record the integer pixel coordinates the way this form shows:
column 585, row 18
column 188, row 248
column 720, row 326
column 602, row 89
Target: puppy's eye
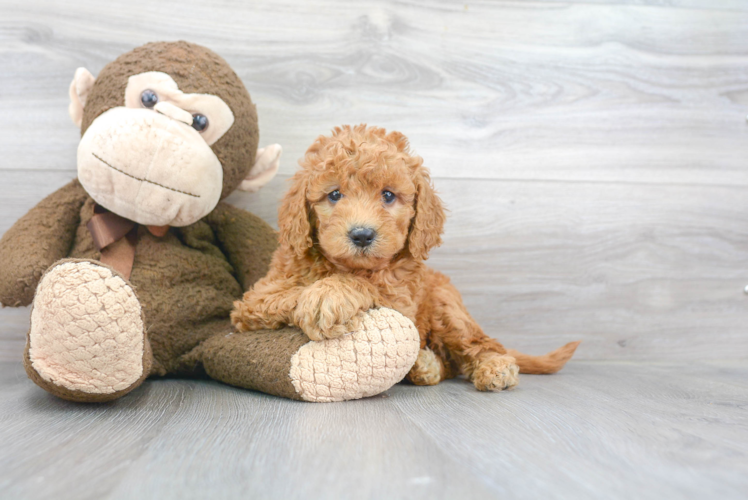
column 199, row 122
column 334, row 196
column 388, row 196
column 148, row 98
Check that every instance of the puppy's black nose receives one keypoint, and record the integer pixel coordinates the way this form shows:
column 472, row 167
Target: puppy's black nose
column 362, row 236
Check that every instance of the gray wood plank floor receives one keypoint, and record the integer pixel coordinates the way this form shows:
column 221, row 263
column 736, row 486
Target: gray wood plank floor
column 592, row 155
column 595, row 430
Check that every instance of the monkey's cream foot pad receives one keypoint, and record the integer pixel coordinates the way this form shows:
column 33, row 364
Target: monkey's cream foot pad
column 358, row 365
column 86, row 340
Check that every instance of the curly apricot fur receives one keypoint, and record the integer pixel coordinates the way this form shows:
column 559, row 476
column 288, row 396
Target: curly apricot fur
column 320, row 281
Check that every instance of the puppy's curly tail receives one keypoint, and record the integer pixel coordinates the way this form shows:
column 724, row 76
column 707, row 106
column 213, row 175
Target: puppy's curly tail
column 547, row 363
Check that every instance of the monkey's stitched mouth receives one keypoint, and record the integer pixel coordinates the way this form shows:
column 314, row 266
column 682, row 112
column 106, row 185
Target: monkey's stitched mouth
column 144, row 180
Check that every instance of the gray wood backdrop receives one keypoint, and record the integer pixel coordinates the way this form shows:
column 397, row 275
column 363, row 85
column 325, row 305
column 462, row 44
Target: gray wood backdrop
column 593, row 154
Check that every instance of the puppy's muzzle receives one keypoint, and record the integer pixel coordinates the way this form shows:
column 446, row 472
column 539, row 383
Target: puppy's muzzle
column 362, row 237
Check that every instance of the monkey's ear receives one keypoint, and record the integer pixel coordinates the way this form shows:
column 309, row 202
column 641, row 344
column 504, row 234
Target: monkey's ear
column 79, row 89
column 266, row 166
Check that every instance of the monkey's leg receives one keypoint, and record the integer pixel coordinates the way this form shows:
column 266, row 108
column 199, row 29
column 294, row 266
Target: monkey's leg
column 86, row 341
column 286, row 363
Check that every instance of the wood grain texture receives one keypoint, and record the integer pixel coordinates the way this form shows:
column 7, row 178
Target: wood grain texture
column 738, row 5
column 596, row 430
column 508, row 90
column 592, row 155
column 648, row 272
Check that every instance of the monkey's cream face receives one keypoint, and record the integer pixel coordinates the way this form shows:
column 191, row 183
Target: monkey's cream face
column 151, row 161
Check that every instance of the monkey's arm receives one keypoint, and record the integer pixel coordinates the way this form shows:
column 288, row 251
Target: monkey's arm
column 37, row 240
column 246, row 240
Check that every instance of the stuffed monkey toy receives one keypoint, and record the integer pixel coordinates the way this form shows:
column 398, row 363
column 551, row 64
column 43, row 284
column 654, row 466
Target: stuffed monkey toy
column 132, row 268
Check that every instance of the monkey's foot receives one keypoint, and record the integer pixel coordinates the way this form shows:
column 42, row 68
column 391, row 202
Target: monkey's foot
column 364, row 363
column 359, row 364
column 86, row 341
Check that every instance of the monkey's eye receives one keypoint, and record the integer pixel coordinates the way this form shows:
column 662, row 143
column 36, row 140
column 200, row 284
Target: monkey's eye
column 148, row 98
column 334, row 196
column 388, row 196
column 199, row 122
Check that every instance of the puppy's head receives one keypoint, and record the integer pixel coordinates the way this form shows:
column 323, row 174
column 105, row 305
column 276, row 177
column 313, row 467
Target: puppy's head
column 362, row 198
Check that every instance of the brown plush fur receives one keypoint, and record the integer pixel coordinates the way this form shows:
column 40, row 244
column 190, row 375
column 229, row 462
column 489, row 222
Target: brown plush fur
column 187, row 279
column 320, row 281
column 184, row 278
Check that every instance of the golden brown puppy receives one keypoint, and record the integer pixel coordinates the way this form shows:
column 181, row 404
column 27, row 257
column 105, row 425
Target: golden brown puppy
column 355, row 228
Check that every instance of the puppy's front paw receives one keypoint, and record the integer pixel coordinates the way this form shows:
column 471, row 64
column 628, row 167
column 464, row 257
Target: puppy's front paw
column 326, row 312
column 245, row 318
column 317, row 328
column 495, row 372
column 245, row 322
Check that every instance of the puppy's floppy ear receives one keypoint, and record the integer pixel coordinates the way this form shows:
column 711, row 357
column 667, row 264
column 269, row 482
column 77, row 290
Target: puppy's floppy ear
column 428, row 223
column 293, row 217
